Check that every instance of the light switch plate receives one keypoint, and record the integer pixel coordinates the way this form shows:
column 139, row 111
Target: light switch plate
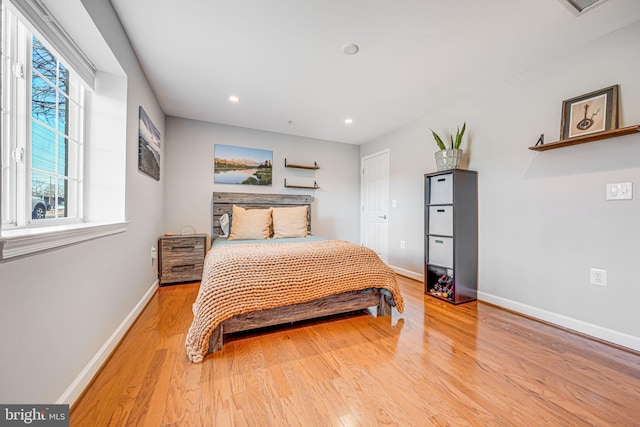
column 620, row 191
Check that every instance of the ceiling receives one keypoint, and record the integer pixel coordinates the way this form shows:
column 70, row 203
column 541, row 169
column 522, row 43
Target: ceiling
column 284, row 59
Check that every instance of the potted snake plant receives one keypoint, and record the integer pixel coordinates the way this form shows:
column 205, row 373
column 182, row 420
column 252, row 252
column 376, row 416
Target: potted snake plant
column 449, row 157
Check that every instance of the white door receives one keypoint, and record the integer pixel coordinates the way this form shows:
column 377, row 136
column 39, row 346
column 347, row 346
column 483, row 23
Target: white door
column 374, row 217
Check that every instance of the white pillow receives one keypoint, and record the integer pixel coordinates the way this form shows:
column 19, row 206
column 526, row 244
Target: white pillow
column 289, row 222
column 224, row 225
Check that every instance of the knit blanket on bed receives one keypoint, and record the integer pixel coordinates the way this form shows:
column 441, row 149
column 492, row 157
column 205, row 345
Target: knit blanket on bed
column 241, row 278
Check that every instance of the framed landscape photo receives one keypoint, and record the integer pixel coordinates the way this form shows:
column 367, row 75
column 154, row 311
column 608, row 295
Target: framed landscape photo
column 590, row 113
column 240, row 165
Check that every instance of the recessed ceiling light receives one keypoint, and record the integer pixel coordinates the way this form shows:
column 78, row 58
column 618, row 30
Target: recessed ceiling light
column 348, row 121
column 350, row 49
column 234, row 98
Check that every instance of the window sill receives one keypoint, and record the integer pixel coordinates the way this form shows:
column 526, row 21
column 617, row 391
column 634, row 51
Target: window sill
column 25, row 241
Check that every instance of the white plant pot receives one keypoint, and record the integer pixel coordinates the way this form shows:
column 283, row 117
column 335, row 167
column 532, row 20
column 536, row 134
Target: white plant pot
column 448, row 159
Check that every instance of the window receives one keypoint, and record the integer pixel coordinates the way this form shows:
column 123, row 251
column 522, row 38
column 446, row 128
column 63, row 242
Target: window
column 42, row 125
column 56, row 188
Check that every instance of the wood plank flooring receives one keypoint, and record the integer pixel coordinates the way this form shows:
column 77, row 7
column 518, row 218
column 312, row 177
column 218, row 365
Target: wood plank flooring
column 434, row 365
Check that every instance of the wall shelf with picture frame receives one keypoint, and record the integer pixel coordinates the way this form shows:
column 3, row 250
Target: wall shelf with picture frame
column 588, row 118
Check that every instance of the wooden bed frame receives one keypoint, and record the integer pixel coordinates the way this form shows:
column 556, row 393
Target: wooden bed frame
column 222, row 203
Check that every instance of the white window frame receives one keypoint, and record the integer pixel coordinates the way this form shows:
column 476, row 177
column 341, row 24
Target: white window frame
column 18, row 122
column 19, row 235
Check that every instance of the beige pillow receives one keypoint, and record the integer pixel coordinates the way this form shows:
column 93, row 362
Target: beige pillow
column 247, row 224
column 289, row 222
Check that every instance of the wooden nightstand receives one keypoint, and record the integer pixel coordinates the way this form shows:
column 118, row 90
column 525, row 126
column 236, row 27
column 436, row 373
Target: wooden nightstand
column 180, row 258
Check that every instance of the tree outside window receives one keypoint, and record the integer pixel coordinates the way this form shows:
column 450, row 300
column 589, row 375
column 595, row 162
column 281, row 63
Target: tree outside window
column 50, row 144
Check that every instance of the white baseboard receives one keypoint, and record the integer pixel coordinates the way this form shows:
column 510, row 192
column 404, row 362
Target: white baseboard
column 86, row 375
column 595, row 331
column 407, row 273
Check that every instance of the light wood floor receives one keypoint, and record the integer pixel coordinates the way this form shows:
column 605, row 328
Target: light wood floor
column 435, row 365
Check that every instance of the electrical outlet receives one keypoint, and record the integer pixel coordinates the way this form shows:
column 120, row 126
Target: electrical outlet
column 402, row 244
column 598, row 277
column 154, row 254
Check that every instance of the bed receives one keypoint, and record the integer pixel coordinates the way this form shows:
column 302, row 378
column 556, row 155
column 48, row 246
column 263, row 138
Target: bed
column 251, row 283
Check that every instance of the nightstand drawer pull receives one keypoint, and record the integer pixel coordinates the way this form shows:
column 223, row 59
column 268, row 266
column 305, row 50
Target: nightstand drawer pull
column 184, row 247
column 183, row 267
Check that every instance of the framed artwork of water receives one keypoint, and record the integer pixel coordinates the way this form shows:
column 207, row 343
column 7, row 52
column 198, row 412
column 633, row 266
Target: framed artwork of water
column 241, row 165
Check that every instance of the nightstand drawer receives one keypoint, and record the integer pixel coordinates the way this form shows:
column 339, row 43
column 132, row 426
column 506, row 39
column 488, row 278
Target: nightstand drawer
column 181, row 273
column 182, row 246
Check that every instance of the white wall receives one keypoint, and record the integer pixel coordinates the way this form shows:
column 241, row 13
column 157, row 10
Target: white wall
column 58, row 308
column 189, row 153
column 543, row 218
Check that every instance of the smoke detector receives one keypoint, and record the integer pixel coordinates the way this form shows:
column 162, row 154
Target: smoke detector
column 579, row 7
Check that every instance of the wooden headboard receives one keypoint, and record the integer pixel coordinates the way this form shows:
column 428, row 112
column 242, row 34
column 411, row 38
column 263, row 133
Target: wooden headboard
column 222, row 203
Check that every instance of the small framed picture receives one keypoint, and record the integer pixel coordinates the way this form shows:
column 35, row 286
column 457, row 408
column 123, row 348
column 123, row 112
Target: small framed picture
column 590, row 113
